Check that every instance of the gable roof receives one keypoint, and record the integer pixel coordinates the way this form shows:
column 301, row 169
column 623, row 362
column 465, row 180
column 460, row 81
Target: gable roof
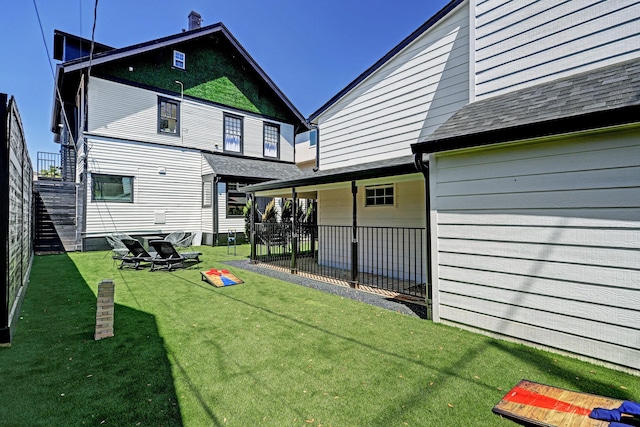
column 608, row 96
column 219, row 28
column 252, row 169
column 393, row 52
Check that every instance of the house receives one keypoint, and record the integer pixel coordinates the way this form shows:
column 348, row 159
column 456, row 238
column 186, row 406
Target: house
column 164, row 135
column 522, row 121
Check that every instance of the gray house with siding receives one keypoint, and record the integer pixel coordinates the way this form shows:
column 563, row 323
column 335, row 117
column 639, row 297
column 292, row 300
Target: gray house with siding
column 522, row 118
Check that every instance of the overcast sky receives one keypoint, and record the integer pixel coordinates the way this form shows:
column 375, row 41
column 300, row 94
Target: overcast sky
column 311, row 50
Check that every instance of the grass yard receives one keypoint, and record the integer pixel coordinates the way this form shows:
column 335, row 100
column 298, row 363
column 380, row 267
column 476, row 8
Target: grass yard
column 261, row 353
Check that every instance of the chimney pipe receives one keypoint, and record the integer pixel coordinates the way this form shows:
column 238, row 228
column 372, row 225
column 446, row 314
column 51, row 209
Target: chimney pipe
column 194, row 20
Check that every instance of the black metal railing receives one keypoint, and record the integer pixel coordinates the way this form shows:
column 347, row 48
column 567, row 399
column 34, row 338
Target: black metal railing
column 388, row 258
column 49, row 165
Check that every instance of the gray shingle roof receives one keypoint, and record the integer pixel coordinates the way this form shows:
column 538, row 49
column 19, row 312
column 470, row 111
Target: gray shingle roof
column 601, row 91
column 254, row 169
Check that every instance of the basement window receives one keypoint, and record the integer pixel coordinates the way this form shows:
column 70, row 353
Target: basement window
column 179, row 60
column 379, row 195
column 111, row 188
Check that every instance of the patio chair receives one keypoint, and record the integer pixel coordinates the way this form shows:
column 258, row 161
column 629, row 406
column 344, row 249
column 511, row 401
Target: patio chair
column 138, row 254
column 182, row 240
column 117, row 247
column 175, row 237
column 167, row 256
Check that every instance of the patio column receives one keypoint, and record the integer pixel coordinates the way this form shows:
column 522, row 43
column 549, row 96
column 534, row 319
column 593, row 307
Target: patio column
column 294, row 231
column 354, row 237
column 252, row 226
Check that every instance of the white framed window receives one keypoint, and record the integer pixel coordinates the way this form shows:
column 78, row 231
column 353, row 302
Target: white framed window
column 168, row 116
column 111, row 188
column 232, row 134
column 380, row 195
column 271, row 140
column 207, row 191
column 179, row 60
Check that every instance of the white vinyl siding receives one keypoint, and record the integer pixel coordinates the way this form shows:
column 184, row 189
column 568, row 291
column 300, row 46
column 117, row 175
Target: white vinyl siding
column 131, row 113
column 174, row 195
column 521, row 43
column 540, row 242
column 335, row 208
column 405, row 99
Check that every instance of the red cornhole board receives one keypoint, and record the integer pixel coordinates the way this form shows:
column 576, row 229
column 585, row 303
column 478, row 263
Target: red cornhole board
column 535, row 404
column 220, row 278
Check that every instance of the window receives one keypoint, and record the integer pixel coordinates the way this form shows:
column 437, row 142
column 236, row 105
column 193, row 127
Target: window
column 207, row 191
column 379, row 195
column 168, row 116
column 232, row 134
column 236, row 199
column 271, row 140
column 111, row 188
column 179, row 60
column 313, row 137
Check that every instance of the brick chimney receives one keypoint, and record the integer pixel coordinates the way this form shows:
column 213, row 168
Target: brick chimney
column 194, row 20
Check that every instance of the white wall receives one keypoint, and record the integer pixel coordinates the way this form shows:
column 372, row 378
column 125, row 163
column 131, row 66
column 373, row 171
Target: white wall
column 405, row 99
column 520, row 43
column 127, row 112
column 381, row 250
column 175, row 194
column 540, row 242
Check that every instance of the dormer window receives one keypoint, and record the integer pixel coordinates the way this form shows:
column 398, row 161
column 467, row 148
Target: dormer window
column 179, row 60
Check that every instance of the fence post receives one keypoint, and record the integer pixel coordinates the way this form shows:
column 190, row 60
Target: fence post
column 294, row 231
column 252, row 227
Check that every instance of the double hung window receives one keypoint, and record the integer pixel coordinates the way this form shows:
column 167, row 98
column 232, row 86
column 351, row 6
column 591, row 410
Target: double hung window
column 232, row 134
column 168, row 116
column 271, row 140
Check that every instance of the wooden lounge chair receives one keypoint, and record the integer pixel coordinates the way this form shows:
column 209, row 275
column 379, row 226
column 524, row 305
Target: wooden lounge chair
column 136, row 254
column 167, row 256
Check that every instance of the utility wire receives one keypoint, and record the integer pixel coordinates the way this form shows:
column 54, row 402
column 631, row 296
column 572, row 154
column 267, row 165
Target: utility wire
column 53, row 74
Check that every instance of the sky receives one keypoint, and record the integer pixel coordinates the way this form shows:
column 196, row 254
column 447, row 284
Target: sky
column 311, row 50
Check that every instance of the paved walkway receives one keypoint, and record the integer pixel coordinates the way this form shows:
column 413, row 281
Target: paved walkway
column 378, row 300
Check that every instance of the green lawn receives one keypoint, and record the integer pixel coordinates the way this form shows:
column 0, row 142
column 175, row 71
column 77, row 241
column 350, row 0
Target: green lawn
column 262, row 353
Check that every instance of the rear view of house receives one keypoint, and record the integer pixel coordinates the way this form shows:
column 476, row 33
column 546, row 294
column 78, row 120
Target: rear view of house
column 164, row 135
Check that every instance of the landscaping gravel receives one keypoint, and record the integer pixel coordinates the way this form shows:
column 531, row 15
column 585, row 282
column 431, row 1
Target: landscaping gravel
column 381, row 301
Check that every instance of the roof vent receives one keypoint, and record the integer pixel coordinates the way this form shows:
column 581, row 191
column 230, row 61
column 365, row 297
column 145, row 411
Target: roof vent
column 194, row 20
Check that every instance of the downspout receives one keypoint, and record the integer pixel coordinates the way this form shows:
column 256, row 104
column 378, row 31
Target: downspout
column 423, row 167
column 317, row 129
column 216, row 178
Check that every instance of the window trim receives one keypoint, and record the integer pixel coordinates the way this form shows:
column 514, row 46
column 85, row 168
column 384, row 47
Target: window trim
column 276, row 126
column 382, row 197
column 224, row 133
column 93, row 192
column 162, row 99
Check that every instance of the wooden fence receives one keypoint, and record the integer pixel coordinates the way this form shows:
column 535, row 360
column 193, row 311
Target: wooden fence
column 16, row 216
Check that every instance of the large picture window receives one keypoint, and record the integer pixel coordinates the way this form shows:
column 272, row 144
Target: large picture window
column 379, row 195
column 232, row 134
column 236, row 199
column 111, row 188
column 168, row 116
column 271, row 140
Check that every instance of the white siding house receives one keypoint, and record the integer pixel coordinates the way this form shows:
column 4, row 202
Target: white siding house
column 165, row 149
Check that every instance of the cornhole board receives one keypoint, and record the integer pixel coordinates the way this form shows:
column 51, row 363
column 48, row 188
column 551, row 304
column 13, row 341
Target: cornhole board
column 536, row 404
column 220, row 278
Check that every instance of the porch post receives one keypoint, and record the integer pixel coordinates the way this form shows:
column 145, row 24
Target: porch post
column 294, row 231
column 354, row 237
column 252, row 226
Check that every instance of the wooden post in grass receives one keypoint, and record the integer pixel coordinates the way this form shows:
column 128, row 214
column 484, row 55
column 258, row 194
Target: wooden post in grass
column 104, row 312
